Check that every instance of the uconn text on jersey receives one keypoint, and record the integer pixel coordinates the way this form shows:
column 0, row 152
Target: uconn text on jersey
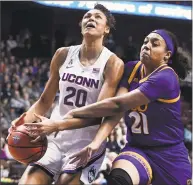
column 80, row 80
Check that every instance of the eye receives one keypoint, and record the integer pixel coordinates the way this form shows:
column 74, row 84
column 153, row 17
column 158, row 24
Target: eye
column 145, row 41
column 86, row 16
column 155, row 44
column 98, row 16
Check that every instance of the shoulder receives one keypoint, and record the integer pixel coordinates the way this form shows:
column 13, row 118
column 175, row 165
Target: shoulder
column 115, row 60
column 114, row 68
column 59, row 56
column 63, row 51
column 114, row 63
column 166, row 77
column 132, row 63
column 130, row 70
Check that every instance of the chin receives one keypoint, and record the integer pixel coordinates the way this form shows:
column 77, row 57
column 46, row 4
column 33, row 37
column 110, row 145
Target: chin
column 91, row 35
column 145, row 60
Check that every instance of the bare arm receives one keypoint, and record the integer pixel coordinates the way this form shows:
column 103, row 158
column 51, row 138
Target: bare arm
column 112, row 106
column 108, row 124
column 112, row 75
column 105, row 129
column 46, row 99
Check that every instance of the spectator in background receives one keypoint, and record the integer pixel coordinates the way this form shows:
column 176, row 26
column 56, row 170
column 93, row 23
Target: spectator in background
column 23, row 78
column 6, row 91
column 11, row 43
column 28, row 52
column 29, row 88
column 27, row 103
column 130, row 50
column 110, row 43
column 12, row 113
column 20, row 44
column 17, row 102
column 2, row 67
column 119, row 51
column 2, row 45
column 4, row 122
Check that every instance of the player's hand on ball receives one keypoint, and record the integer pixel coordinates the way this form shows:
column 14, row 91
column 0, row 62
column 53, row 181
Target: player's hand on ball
column 84, row 155
column 17, row 122
column 43, row 128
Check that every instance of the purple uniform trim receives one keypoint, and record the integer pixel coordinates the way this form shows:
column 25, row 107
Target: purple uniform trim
column 129, row 66
column 143, row 173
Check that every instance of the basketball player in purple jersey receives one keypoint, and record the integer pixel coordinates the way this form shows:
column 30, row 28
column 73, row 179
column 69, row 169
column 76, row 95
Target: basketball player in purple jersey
column 149, row 96
column 84, row 74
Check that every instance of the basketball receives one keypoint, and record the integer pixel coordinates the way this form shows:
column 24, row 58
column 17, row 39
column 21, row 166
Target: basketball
column 21, row 148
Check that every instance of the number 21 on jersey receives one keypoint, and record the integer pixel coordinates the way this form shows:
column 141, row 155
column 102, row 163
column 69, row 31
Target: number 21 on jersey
column 140, row 124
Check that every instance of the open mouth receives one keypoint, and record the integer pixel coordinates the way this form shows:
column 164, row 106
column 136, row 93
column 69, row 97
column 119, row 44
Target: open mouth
column 144, row 54
column 90, row 25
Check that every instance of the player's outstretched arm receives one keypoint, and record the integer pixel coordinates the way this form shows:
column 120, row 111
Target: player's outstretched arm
column 109, row 123
column 161, row 85
column 111, row 106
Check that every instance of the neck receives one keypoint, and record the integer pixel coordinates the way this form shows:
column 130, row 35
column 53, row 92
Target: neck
column 91, row 49
column 150, row 68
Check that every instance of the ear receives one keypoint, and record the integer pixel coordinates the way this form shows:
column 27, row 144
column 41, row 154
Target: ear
column 80, row 24
column 167, row 56
column 107, row 30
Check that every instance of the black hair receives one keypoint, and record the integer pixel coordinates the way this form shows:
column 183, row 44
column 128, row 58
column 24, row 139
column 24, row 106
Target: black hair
column 110, row 18
column 181, row 59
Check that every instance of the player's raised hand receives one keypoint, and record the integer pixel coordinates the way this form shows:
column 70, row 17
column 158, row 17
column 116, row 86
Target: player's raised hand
column 84, row 156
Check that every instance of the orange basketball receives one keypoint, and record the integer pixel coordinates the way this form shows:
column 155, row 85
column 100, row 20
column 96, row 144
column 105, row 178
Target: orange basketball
column 22, row 149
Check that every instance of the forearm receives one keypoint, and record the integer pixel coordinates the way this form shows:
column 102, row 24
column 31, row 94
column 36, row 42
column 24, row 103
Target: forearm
column 103, row 108
column 106, row 128
column 40, row 108
column 112, row 106
column 76, row 123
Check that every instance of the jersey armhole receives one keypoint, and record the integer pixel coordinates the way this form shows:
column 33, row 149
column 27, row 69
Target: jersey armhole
column 102, row 68
column 65, row 59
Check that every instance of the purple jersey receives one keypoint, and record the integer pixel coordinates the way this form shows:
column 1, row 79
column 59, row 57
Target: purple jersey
column 159, row 122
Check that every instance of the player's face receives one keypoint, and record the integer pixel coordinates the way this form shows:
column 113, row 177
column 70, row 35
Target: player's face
column 94, row 23
column 153, row 49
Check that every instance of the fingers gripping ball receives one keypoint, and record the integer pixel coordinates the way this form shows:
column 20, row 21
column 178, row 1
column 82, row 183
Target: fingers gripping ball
column 21, row 148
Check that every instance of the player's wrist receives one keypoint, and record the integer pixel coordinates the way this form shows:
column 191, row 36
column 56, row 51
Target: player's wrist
column 95, row 145
column 70, row 114
column 59, row 125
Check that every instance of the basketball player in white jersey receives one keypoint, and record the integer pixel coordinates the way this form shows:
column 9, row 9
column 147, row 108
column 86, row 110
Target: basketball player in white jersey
column 83, row 74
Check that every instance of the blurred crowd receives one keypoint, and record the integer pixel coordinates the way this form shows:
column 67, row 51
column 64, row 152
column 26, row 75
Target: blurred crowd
column 23, row 74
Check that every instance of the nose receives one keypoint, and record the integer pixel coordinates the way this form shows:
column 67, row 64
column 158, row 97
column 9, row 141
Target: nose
column 147, row 46
column 91, row 18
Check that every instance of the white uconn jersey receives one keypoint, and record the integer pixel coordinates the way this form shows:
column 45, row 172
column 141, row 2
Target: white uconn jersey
column 80, row 86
